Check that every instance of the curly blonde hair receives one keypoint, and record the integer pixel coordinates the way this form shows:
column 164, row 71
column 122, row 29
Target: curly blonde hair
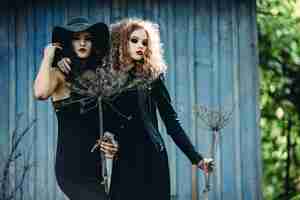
column 153, row 64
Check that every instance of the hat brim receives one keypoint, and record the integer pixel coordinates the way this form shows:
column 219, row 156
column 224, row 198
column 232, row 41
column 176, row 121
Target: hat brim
column 100, row 32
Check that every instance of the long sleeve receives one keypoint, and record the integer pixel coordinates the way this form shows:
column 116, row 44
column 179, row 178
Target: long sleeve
column 171, row 121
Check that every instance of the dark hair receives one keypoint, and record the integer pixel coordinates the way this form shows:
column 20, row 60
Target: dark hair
column 93, row 60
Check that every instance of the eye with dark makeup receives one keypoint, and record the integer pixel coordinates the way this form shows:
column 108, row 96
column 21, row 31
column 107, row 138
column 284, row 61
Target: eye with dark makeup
column 88, row 38
column 133, row 40
column 75, row 37
column 145, row 43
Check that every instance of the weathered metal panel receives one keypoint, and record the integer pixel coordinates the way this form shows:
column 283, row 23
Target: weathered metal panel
column 12, row 83
column 4, row 85
column 167, row 13
column 250, row 139
column 210, row 48
column 225, row 94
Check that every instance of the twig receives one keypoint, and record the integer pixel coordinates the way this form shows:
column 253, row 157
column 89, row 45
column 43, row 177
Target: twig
column 12, row 157
column 215, row 120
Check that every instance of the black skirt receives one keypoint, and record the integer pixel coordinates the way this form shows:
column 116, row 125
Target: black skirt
column 141, row 171
column 77, row 169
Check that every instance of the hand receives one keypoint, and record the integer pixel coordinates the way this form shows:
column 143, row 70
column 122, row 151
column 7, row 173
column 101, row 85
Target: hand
column 207, row 165
column 49, row 50
column 64, row 65
column 108, row 145
column 109, row 149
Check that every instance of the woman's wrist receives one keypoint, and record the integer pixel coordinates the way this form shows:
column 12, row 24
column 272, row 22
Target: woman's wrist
column 47, row 61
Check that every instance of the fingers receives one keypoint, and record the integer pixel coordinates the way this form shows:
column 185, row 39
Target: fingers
column 107, row 145
column 207, row 165
column 64, row 65
column 67, row 63
column 49, row 50
column 205, row 169
column 54, row 45
column 108, row 148
column 109, row 156
column 107, row 153
column 57, row 45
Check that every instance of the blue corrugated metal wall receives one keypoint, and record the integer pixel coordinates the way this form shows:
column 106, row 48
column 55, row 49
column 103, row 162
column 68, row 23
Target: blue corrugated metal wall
column 210, row 48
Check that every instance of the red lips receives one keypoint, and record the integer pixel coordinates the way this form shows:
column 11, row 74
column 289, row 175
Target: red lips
column 139, row 52
column 82, row 49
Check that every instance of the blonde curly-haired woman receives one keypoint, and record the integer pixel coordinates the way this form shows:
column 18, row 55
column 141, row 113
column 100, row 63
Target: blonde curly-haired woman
column 142, row 170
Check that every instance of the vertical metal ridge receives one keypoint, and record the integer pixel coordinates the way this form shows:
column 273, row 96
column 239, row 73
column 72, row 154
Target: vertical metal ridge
column 147, row 11
column 192, row 73
column 249, row 126
column 191, row 70
column 256, row 81
column 31, row 101
column 84, row 7
column 4, row 83
column 171, row 80
column 236, row 101
column 192, row 90
column 42, row 124
column 215, row 84
column 50, row 118
column 175, row 99
column 107, row 12
column 12, row 84
column 5, row 87
column 183, row 95
column 136, row 9
column 241, row 109
column 22, row 93
column 36, row 68
column 226, row 88
column 119, row 10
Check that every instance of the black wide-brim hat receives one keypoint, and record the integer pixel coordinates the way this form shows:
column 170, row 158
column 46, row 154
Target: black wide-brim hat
column 99, row 31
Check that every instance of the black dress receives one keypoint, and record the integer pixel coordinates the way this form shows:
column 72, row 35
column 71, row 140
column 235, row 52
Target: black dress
column 141, row 170
column 77, row 169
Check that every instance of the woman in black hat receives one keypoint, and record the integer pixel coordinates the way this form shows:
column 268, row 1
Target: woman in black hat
column 83, row 46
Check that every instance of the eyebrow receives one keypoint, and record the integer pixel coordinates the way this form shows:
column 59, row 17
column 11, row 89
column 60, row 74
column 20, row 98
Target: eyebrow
column 134, row 36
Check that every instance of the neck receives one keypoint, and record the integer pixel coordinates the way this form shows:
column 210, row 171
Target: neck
column 138, row 62
column 83, row 61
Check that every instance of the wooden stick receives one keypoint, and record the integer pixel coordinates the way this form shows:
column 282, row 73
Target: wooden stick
column 103, row 159
column 194, row 182
column 212, row 151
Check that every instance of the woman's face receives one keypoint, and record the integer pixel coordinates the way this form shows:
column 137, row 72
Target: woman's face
column 137, row 45
column 82, row 44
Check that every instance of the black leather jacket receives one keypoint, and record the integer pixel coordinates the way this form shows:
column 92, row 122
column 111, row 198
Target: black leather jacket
column 156, row 96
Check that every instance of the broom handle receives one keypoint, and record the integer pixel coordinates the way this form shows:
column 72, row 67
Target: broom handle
column 212, row 151
column 194, row 182
column 103, row 160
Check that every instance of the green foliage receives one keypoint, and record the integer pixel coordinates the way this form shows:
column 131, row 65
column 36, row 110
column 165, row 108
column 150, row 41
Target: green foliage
column 279, row 51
